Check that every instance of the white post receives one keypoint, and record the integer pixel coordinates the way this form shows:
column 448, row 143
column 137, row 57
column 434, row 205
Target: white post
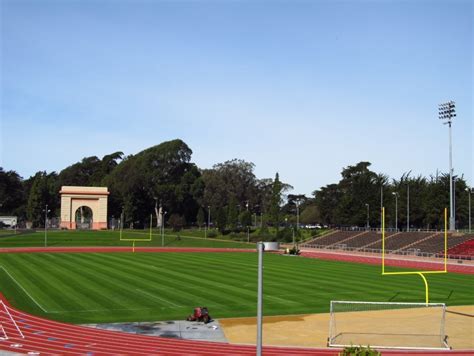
column 297, row 214
column 381, row 206
column 46, row 226
column 260, row 298
column 208, row 218
column 163, row 228
column 396, row 210
column 368, row 215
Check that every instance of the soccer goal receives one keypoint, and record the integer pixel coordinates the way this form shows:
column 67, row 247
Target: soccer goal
column 388, row 325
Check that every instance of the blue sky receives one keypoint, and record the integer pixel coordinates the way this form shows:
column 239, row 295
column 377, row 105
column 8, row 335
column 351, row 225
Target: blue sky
column 299, row 87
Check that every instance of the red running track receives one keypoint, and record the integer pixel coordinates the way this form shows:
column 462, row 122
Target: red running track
column 47, row 337
column 107, row 249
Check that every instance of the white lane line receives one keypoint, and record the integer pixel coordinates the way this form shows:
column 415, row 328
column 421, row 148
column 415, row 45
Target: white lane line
column 24, row 290
column 158, row 298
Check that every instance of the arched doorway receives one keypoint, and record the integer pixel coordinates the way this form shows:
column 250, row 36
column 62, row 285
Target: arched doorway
column 84, row 218
column 75, row 197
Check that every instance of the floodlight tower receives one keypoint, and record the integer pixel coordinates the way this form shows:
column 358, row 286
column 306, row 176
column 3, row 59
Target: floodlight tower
column 447, row 111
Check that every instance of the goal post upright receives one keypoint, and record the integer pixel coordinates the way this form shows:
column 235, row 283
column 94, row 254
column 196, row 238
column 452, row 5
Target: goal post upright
column 420, row 273
column 136, row 240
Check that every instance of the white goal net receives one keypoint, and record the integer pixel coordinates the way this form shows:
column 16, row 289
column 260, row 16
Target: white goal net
column 388, row 325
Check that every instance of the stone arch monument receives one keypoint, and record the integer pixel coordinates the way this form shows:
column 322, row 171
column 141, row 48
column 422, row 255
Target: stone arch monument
column 74, row 197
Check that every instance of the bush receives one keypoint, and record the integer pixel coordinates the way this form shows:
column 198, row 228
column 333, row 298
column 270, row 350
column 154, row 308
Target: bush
column 212, row 233
column 176, row 222
column 285, row 235
column 359, row 351
column 294, row 251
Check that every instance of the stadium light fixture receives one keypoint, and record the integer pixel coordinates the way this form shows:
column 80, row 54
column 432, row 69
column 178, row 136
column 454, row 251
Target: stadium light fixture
column 447, row 112
column 469, row 192
column 396, row 210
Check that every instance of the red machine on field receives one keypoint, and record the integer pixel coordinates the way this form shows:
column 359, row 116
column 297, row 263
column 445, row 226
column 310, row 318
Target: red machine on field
column 200, row 314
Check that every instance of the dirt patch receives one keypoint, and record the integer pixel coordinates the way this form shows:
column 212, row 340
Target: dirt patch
column 312, row 330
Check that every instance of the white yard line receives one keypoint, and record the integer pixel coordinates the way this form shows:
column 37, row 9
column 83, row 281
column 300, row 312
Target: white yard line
column 24, row 290
column 158, row 298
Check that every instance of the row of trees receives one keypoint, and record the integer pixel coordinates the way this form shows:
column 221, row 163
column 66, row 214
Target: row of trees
column 231, row 193
column 362, row 192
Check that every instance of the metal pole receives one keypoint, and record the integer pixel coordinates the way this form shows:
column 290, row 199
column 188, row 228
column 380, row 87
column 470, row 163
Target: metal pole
column 46, row 226
column 381, row 206
column 454, row 199
column 368, row 215
column 260, row 298
column 248, row 233
column 163, row 213
column 469, row 191
column 297, row 215
column 208, row 218
column 408, row 208
column 396, row 212
column 451, row 210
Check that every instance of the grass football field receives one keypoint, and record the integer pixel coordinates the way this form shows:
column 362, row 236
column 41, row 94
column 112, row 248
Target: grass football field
column 118, row 287
column 112, row 238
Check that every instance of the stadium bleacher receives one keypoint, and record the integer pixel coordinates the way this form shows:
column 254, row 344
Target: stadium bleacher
column 464, row 249
column 419, row 241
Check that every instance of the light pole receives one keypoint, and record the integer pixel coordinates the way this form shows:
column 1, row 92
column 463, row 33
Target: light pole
column 238, row 219
column 381, row 206
column 368, row 215
column 297, row 202
column 156, row 212
column 447, row 111
column 208, row 217
column 260, row 249
column 408, row 207
column 469, row 192
column 396, row 210
column 163, row 228
column 46, row 211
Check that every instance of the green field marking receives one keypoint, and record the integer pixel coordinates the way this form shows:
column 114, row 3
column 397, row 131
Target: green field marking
column 121, row 287
column 23, row 289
